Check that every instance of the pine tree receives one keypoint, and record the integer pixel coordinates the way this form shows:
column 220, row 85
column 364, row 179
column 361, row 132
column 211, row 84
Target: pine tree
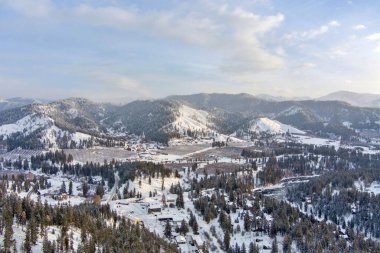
column 243, row 249
column 274, row 246
column 184, row 227
column 180, row 202
column 84, row 189
column 195, row 227
column 63, row 187
column 33, row 230
column 100, row 190
column 46, row 246
column 253, row 248
column 71, row 188
column 226, row 240
column 8, row 234
column 27, row 243
column 286, row 246
column 168, row 229
column 247, row 222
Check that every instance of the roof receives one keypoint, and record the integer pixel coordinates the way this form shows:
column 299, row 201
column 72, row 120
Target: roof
column 180, row 239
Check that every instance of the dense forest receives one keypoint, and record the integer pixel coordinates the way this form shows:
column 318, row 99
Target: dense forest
column 310, row 235
column 101, row 230
column 341, row 198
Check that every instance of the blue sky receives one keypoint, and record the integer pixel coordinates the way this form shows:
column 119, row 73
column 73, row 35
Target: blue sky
column 123, row 50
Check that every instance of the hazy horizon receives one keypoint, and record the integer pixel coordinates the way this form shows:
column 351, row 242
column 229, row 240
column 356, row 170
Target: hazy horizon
column 112, row 50
column 127, row 100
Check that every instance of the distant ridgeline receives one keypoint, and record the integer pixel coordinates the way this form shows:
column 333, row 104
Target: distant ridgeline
column 78, row 122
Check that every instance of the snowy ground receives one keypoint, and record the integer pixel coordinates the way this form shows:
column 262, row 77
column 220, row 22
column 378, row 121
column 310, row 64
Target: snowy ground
column 374, row 187
column 53, row 232
column 317, row 141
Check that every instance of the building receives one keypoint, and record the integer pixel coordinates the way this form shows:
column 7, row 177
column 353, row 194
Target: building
column 154, row 209
column 180, row 239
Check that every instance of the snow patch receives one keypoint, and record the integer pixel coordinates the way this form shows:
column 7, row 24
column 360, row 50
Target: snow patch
column 26, row 125
column 272, row 126
column 190, row 118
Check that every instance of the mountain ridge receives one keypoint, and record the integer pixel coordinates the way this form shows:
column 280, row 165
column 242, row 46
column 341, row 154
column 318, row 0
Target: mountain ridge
column 197, row 115
column 354, row 98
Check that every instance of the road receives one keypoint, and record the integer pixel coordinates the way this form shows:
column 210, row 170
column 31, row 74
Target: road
column 114, row 188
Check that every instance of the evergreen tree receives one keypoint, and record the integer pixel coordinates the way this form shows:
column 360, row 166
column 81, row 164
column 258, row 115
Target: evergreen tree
column 247, row 222
column 226, row 240
column 63, row 187
column 33, row 230
column 184, row 228
column 168, row 229
column 27, row 243
column 84, row 189
column 8, row 234
column 100, row 190
column 195, row 227
column 274, row 246
column 286, row 246
column 71, row 188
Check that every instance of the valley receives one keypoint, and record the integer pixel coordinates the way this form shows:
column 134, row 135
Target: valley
column 196, row 185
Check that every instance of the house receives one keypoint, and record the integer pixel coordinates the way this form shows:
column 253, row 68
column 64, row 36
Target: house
column 154, row 209
column 170, row 200
column 165, row 218
column 180, row 239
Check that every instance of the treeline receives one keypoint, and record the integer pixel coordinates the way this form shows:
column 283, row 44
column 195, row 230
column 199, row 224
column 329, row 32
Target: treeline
column 307, row 160
column 53, row 162
column 101, row 230
column 37, row 141
column 267, row 216
column 334, row 196
column 290, row 148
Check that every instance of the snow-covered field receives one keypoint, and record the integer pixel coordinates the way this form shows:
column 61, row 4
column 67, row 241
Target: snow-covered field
column 374, row 187
column 317, row 141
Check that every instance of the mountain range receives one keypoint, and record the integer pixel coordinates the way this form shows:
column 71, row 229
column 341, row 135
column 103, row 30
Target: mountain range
column 186, row 115
column 355, row 99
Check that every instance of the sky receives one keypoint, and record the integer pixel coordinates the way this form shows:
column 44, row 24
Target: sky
column 123, row 50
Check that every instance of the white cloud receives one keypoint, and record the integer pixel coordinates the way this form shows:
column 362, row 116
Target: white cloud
column 348, row 81
column 248, row 52
column 118, row 81
column 313, row 33
column 339, row 51
column 359, row 27
column 308, row 65
column 374, row 37
column 234, row 33
column 188, row 28
column 115, row 86
column 36, row 8
column 377, row 48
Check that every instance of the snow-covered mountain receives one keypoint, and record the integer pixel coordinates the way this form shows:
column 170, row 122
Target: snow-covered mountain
column 281, row 98
column 26, row 125
column 41, row 131
column 187, row 118
column 353, row 98
column 267, row 125
column 193, row 115
column 9, row 103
